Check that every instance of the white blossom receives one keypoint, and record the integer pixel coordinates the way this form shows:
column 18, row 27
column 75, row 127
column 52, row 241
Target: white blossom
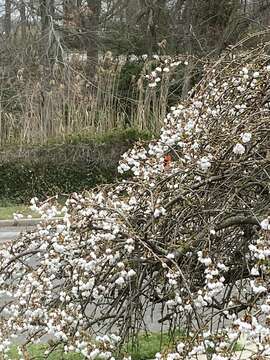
column 265, row 224
column 204, row 163
column 246, row 137
column 239, row 149
column 131, row 273
column 120, row 281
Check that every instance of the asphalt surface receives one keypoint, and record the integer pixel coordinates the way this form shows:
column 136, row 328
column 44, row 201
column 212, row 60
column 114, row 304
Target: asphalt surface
column 10, row 233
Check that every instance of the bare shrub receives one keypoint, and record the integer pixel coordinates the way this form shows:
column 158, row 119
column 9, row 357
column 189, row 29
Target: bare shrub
column 188, row 235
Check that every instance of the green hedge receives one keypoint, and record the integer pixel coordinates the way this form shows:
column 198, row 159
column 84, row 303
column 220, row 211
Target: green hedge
column 80, row 163
column 19, row 182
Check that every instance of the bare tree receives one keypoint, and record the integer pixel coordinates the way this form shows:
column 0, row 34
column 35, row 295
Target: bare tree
column 91, row 27
column 7, row 22
column 23, row 20
column 151, row 15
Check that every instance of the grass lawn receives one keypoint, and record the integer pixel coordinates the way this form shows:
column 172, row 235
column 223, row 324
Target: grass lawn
column 38, row 352
column 148, row 346
column 6, row 212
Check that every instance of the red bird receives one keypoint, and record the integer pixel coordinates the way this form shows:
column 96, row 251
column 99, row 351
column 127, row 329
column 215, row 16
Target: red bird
column 167, row 161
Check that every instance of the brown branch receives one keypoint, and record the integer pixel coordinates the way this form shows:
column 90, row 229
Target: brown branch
column 238, row 221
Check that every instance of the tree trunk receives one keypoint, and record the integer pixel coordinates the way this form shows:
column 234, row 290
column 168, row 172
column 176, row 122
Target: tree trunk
column 23, row 19
column 47, row 61
column 153, row 19
column 146, row 17
column 48, row 53
column 131, row 10
column 187, row 81
column 7, row 21
column 231, row 32
column 92, row 37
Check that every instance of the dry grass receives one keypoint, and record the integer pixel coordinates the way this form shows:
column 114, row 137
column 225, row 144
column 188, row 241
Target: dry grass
column 33, row 110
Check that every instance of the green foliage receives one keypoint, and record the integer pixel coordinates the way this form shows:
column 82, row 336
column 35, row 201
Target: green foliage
column 127, row 136
column 146, row 348
column 38, row 352
column 6, row 212
column 130, row 73
column 20, row 181
column 82, row 162
column 149, row 344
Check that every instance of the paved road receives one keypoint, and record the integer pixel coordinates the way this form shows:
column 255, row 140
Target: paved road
column 10, row 233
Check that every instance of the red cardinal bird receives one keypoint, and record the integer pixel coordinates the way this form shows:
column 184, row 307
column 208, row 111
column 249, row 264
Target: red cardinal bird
column 167, row 161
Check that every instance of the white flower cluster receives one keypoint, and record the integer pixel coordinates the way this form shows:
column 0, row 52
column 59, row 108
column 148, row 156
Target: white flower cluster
column 184, row 129
column 239, row 149
column 166, row 66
